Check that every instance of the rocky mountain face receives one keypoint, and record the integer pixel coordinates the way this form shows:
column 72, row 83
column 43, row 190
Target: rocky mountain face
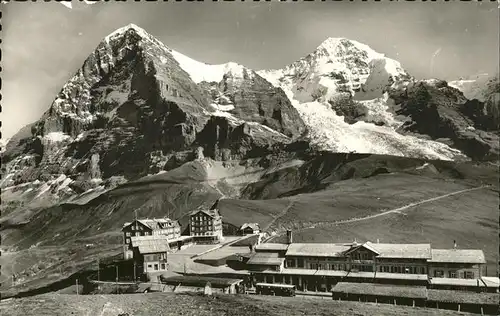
column 484, row 94
column 132, row 110
column 137, row 107
column 442, row 112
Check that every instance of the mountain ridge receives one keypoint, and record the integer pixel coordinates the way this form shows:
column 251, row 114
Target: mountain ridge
column 134, row 95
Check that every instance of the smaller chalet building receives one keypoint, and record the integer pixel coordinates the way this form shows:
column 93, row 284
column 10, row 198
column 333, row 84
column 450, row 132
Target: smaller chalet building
column 149, row 227
column 150, row 253
column 205, row 226
column 249, row 229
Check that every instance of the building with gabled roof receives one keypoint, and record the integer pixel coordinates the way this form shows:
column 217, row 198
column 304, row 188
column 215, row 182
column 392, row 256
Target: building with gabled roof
column 205, row 225
column 315, row 266
column 149, row 227
column 150, row 252
column 250, row 228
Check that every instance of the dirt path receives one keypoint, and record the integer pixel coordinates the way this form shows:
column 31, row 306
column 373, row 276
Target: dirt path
column 280, row 215
column 395, row 210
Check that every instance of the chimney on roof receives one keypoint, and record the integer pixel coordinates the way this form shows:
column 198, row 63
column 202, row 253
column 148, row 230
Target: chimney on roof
column 454, row 244
column 289, row 237
column 378, row 241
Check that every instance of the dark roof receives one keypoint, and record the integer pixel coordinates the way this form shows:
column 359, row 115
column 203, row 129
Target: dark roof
column 199, row 281
column 212, row 213
column 462, row 297
column 381, row 289
column 457, row 256
column 264, row 258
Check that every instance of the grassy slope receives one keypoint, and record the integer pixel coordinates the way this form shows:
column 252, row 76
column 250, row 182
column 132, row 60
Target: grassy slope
column 302, row 196
column 37, row 267
column 470, row 218
column 193, row 304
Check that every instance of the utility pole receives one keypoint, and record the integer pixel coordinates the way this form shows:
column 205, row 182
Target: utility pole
column 135, row 271
column 76, row 286
column 116, row 266
column 98, row 270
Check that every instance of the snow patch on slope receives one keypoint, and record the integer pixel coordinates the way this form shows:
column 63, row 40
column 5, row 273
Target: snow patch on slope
column 472, row 88
column 329, row 132
column 200, row 72
column 56, row 137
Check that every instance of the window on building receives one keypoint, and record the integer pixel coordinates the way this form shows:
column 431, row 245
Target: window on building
column 452, row 274
column 127, row 240
column 127, row 234
column 156, row 267
column 300, row 263
column 469, row 275
column 438, row 273
column 163, row 266
column 150, row 266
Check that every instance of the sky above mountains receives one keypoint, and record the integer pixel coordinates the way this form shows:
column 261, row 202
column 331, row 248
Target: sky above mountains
column 45, row 43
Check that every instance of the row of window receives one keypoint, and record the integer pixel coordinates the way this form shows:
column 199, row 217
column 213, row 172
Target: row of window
column 454, row 274
column 203, row 234
column 201, row 229
column 361, row 256
column 156, row 266
column 155, row 257
column 128, row 234
column 131, row 234
column 403, row 269
column 359, row 267
column 209, row 222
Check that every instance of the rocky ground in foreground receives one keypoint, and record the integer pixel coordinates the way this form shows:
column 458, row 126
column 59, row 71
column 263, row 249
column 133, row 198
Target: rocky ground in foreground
column 194, row 304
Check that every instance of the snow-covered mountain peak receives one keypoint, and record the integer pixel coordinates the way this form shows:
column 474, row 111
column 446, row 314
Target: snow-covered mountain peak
column 340, row 46
column 122, row 30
